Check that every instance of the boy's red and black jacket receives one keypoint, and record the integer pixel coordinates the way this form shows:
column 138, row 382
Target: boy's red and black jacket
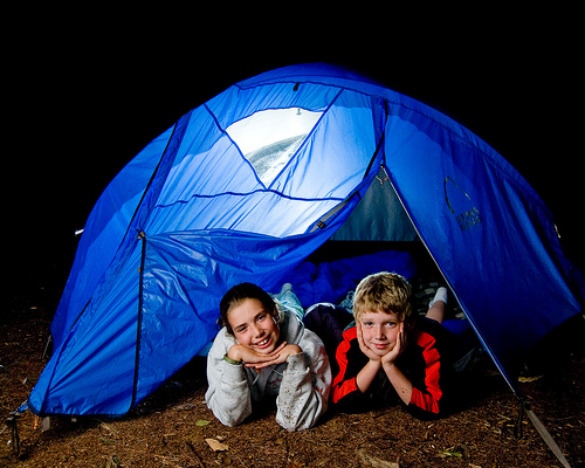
column 427, row 361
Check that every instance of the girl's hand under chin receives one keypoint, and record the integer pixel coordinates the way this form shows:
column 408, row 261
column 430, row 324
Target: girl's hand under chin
column 278, row 356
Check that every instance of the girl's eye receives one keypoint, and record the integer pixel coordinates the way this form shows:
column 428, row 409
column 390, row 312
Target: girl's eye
column 240, row 330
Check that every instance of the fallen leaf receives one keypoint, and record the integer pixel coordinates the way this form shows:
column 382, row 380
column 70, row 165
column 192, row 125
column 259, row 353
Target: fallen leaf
column 450, row 452
column 107, row 428
column 112, row 462
column 366, row 459
column 185, row 407
column 216, row 445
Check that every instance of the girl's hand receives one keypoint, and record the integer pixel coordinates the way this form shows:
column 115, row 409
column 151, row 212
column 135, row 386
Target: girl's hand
column 247, row 355
column 278, row 356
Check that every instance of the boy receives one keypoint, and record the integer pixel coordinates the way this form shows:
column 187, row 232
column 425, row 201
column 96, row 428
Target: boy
column 391, row 356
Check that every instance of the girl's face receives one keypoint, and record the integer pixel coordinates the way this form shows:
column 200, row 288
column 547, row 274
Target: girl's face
column 380, row 330
column 254, row 326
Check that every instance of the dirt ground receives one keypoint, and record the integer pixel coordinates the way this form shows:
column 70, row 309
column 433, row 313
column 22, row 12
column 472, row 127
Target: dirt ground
column 174, row 428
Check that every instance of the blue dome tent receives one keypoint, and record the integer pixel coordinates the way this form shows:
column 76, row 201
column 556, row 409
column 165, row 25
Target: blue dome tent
column 249, row 184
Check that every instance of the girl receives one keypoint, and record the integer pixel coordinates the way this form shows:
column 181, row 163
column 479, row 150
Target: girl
column 263, row 353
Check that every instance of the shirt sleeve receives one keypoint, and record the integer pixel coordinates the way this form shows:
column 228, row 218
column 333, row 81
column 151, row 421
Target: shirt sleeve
column 427, row 396
column 228, row 395
column 346, row 395
column 305, row 387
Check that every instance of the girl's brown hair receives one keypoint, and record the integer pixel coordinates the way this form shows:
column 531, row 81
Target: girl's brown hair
column 237, row 294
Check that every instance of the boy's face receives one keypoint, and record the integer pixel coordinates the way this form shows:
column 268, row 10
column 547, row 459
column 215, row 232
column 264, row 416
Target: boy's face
column 380, row 330
column 254, row 326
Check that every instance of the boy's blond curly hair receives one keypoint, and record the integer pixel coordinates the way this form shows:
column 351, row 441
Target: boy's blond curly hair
column 384, row 291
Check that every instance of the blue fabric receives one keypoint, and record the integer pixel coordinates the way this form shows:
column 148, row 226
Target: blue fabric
column 190, row 216
column 330, row 281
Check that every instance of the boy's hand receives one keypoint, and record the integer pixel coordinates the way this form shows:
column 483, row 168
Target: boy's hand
column 393, row 353
column 371, row 355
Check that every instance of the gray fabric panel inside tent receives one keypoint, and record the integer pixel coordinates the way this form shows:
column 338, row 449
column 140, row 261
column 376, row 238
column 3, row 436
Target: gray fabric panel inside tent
column 379, row 216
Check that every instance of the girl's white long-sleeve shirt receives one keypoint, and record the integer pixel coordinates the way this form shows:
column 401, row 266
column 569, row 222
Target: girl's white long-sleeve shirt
column 300, row 386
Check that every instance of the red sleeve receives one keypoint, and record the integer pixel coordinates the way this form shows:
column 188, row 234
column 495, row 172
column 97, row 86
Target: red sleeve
column 344, row 383
column 429, row 399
